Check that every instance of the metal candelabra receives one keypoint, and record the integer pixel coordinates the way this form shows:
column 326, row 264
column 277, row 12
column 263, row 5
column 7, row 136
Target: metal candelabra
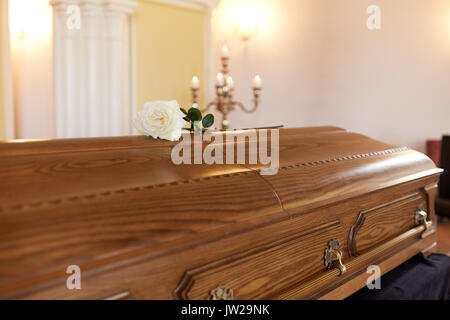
column 224, row 101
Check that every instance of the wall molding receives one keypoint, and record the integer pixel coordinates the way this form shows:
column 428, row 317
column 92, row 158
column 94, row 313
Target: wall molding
column 193, row 4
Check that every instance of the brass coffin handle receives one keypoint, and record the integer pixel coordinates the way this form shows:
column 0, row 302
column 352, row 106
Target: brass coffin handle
column 221, row 293
column 333, row 256
column 420, row 218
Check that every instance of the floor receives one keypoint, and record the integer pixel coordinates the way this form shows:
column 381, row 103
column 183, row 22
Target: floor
column 443, row 236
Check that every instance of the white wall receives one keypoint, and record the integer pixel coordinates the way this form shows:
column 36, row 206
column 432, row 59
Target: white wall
column 32, row 53
column 322, row 66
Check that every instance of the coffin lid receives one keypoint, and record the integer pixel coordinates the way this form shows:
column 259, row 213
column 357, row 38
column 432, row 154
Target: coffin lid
column 124, row 193
column 130, row 162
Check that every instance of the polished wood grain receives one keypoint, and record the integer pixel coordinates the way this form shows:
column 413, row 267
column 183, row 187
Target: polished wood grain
column 384, row 222
column 264, row 271
column 311, row 288
column 134, row 222
column 385, row 264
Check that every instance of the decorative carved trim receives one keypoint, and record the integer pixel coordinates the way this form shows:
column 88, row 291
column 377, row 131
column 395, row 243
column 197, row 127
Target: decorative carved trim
column 353, row 234
column 127, row 5
column 182, row 290
column 431, row 192
column 87, row 197
column 194, row 4
column 345, row 158
column 381, row 253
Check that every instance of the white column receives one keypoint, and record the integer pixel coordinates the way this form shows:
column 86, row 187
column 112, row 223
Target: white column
column 92, row 19
column 59, row 10
column 94, row 68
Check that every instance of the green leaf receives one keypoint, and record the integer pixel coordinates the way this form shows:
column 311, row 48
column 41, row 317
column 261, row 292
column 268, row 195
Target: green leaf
column 208, row 120
column 194, row 114
column 184, row 111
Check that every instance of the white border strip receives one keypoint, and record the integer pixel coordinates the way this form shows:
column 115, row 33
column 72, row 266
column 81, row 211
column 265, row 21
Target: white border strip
column 7, row 74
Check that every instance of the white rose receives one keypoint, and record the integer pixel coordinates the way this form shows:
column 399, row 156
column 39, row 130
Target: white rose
column 160, row 119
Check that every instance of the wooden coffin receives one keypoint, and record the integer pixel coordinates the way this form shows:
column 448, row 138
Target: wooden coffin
column 140, row 227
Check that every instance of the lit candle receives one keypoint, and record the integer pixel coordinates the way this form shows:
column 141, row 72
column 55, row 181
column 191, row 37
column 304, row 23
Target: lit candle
column 225, row 53
column 195, row 82
column 219, row 79
column 257, row 82
column 230, row 83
